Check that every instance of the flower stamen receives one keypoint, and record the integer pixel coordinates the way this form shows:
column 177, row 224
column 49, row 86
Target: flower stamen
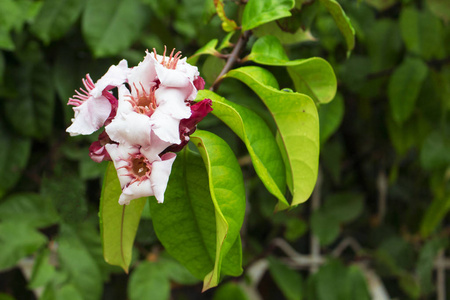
column 172, row 62
column 144, row 103
column 84, row 95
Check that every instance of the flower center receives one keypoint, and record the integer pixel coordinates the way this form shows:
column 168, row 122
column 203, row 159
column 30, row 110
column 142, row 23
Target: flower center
column 144, row 103
column 139, row 166
column 172, row 61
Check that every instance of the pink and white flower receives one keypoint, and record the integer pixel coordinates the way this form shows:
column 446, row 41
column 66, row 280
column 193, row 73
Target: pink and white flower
column 138, row 176
column 95, row 104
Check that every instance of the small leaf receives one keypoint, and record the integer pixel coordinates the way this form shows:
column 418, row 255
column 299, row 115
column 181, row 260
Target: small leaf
column 42, row 272
column 260, row 142
column 325, row 228
column 434, row 153
column 342, row 22
column 404, row 86
column 14, row 154
column 209, row 48
column 434, row 215
column 258, row 12
column 298, row 124
column 343, row 207
column 288, row 280
column 17, row 240
column 148, row 282
column 425, row 263
column 114, row 29
column 227, row 24
column 286, row 38
column 55, row 18
column 313, row 77
column 227, row 193
column 118, row 223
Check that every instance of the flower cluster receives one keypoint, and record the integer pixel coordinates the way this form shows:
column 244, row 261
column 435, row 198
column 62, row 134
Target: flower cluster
column 150, row 116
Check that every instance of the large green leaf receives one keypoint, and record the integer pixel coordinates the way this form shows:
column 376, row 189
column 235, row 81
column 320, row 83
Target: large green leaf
column 118, row 223
column 30, row 208
column 79, row 264
column 421, row 32
column 258, row 139
column 55, row 18
column 148, row 282
column 298, row 124
column 289, row 281
column 258, row 12
column 14, row 154
column 115, row 28
column 226, row 186
column 313, row 76
column 29, row 106
column 186, row 222
column 342, row 22
column 17, row 240
column 404, row 87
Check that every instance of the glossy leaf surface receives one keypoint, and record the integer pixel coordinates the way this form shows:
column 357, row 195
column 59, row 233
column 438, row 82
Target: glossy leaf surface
column 118, row 223
column 298, row 124
column 258, row 12
column 258, row 139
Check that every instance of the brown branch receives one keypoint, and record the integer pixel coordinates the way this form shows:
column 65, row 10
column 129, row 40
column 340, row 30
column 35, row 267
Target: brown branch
column 232, row 59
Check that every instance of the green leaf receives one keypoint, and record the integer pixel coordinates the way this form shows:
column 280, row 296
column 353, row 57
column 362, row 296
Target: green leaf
column 186, row 223
column 342, row 22
column 425, row 263
column 148, row 282
column 343, row 207
column 30, row 107
column 288, row 280
column 114, row 29
column 421, row 32
column 227, row 24
column 77, row 261
column 325, row 228
column 14, row 154
column 173, row 270
column 55, row 18
column 358, row 282
column 404, row 86
column 434, row 153
column 68, row 292
column 17, row 240
column 258, row 12
column 33, row 209
column 118, row 223
column 226, row 186
column 298, row 124
column 230, row 290
column 286, row 38
column 260, row 142
column 209, row 48
column 434, row 215
column 440, row 8
column 313, row 77
column 43, row 271
column 330, row 117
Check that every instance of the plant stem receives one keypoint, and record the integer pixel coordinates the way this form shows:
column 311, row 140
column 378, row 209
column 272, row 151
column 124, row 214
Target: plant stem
column 232, row 58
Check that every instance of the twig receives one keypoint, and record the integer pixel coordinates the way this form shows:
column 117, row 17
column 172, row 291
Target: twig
column 232, row 59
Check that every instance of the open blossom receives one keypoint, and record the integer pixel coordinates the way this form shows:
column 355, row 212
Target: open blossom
column 138, row 176
column 152, row 114
column 95, row 104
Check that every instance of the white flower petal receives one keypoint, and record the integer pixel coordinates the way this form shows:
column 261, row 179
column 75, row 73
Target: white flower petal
column 171, row 102
column 156, row 146
column 115, row 76
column 166, row 127
column 160, row 175
column 90, row 116
column 144, row 75
column 131, row 129
column 136, row 190
column 120, row 155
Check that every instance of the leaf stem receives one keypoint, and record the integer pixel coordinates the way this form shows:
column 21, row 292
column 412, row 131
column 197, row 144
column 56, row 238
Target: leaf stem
column 232, row 59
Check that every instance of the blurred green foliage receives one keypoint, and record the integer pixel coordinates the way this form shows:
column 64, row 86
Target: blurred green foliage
column 384, row 164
